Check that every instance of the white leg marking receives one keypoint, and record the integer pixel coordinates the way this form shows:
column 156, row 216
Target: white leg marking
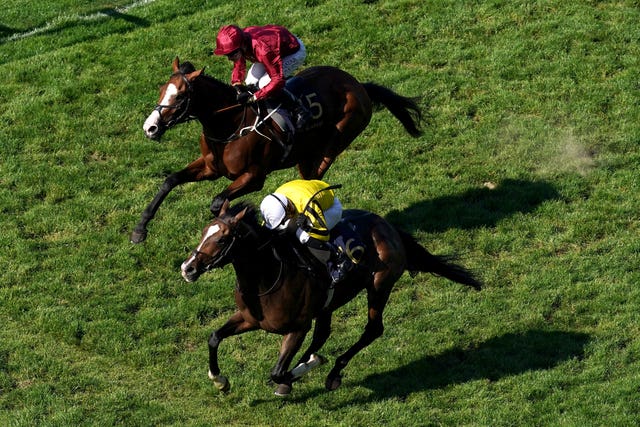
column 303, row 368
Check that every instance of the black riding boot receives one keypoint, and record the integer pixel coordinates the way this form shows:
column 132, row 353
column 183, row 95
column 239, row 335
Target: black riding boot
column 300, row 114
column 340, row 264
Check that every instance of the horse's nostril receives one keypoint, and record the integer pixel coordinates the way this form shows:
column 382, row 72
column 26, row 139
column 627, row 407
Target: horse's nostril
column 188, row 269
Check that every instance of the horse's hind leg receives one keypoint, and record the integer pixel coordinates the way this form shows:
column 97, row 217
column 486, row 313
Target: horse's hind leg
column 372, row 330
column 316, row 165
column 193, row 172
column 345, row 131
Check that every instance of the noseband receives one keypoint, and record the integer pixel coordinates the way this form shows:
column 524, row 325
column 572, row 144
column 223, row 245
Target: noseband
column 216, row 261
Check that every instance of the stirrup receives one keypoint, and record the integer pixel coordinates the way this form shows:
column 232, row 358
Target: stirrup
column 302, row 117
column 286, row 144
column 341, row 269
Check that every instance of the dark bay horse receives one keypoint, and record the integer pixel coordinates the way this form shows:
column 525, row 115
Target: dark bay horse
column 237, row 144
column 274, row 293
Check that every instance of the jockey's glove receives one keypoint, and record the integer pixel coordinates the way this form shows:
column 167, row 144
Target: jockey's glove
column 245, row 98
column 239, row 87
column 303, row 223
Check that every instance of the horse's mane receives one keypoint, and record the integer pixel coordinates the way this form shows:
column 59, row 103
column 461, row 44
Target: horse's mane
column 187, row 67
column 250, row 218
column 285, row 245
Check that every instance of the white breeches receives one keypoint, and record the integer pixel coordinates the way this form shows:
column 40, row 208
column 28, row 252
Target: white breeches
column 257, row 74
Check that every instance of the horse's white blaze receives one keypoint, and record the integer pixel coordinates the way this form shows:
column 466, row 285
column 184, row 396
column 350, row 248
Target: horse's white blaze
column 185, row 265
column 210, row 232
column 171, row 91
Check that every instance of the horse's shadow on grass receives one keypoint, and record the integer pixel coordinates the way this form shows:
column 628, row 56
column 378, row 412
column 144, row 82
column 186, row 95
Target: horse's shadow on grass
column 482, row 207
column 507, row 355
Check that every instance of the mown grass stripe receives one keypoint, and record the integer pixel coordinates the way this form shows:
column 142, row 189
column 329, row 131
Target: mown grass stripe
column 72, row 18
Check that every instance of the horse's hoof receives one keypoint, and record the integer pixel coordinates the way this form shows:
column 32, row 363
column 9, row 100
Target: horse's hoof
column 321, row 358
column 333, row 382
column 216, row 207
column 220, row 381
column 138, row 236
column 283, row 390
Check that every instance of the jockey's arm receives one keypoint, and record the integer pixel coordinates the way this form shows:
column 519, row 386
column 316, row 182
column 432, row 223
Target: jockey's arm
column 333, row 214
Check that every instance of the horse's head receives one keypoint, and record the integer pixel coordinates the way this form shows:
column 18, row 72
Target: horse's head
column 175, row 101
column 218, row 241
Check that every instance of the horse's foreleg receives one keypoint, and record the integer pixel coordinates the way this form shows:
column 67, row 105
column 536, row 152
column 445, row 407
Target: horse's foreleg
column 291, row 343
column 193, row 172
column 310, row 359
column 252, row 180
column 234, row 326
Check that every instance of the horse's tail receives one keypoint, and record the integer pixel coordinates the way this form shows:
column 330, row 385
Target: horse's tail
column 404, row 109
column 421, row 260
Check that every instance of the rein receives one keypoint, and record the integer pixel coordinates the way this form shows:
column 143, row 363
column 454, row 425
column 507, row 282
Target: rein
column 230, row 107
column 236, row 235
column 241, row 130
column 236, row 134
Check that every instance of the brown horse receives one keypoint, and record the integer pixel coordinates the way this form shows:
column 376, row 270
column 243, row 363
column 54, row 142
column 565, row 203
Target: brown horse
column 237, row 143
column 279, row 293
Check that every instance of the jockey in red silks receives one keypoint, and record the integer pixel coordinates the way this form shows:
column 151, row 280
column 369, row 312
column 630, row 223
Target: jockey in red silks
column 275, row 54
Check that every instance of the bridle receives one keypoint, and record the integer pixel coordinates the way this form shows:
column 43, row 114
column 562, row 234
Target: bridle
column 213, row 261
column 219, row 259
column 183, row 117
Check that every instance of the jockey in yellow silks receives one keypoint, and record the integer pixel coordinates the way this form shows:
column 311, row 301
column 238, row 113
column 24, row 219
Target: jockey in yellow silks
column 315, row 208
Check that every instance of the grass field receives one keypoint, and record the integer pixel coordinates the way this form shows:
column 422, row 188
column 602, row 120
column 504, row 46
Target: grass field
column 527, row 170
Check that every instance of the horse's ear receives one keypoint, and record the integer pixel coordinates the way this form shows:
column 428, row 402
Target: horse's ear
column 176, row 65
column 225, row 206
column 195, row 74
column 241, row 214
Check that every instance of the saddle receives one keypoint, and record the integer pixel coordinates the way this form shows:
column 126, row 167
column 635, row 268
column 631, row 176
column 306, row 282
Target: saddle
column 280, row 111
column 345, row 237
column 342, row 236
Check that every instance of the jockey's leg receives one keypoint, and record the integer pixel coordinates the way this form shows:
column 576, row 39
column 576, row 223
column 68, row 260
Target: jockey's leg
column 337, row 262
column 256, row 76
column 300, row 114
column 294, row 61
